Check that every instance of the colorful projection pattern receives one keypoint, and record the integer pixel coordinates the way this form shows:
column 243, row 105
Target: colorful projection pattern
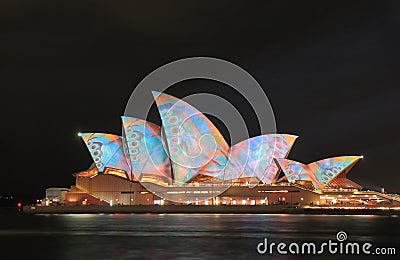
column 327, row 169
column 194, row 144
column 106, row 151
column 254, row 157
column 145, row 149
column 283, row 145
column 294, row 170
column 320, row 173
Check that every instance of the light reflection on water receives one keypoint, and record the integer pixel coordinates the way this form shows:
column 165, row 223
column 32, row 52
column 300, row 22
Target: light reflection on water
column 193, row 236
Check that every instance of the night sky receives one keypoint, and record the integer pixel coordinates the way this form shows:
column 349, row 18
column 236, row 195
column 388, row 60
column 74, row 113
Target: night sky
column 331, row 72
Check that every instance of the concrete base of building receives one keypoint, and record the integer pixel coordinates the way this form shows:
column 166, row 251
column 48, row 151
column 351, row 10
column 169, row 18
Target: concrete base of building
column 203, row 209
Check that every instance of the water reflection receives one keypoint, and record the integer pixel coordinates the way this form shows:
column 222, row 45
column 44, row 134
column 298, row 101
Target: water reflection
column 196, row 236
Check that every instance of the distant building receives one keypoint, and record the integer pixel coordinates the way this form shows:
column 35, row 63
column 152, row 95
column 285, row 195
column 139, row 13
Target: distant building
column 55, row 195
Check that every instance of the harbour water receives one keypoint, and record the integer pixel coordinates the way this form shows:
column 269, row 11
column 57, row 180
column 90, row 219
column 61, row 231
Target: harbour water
column 181, row 236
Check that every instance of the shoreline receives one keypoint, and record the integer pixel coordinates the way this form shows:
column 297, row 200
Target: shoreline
column 202, row 209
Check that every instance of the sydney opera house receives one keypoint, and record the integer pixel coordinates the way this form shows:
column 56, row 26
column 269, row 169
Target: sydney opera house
column 188, row 161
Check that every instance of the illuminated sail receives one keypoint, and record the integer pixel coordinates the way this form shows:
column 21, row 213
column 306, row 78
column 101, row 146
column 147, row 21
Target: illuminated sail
column 320, row 173
column 294, row 170
column 254, row 157
column 145, row 148
column 283, row 145
column 327, row 169
column 106, row 151
column 194, row 144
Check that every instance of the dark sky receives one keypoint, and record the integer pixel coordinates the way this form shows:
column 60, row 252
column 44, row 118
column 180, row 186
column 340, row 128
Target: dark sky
column 330, row 70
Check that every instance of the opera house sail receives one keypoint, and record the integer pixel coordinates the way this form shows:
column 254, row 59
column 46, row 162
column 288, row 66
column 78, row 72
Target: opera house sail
column 195, row 145
column 320, row 173
column 107, row 152
column 145, row 150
